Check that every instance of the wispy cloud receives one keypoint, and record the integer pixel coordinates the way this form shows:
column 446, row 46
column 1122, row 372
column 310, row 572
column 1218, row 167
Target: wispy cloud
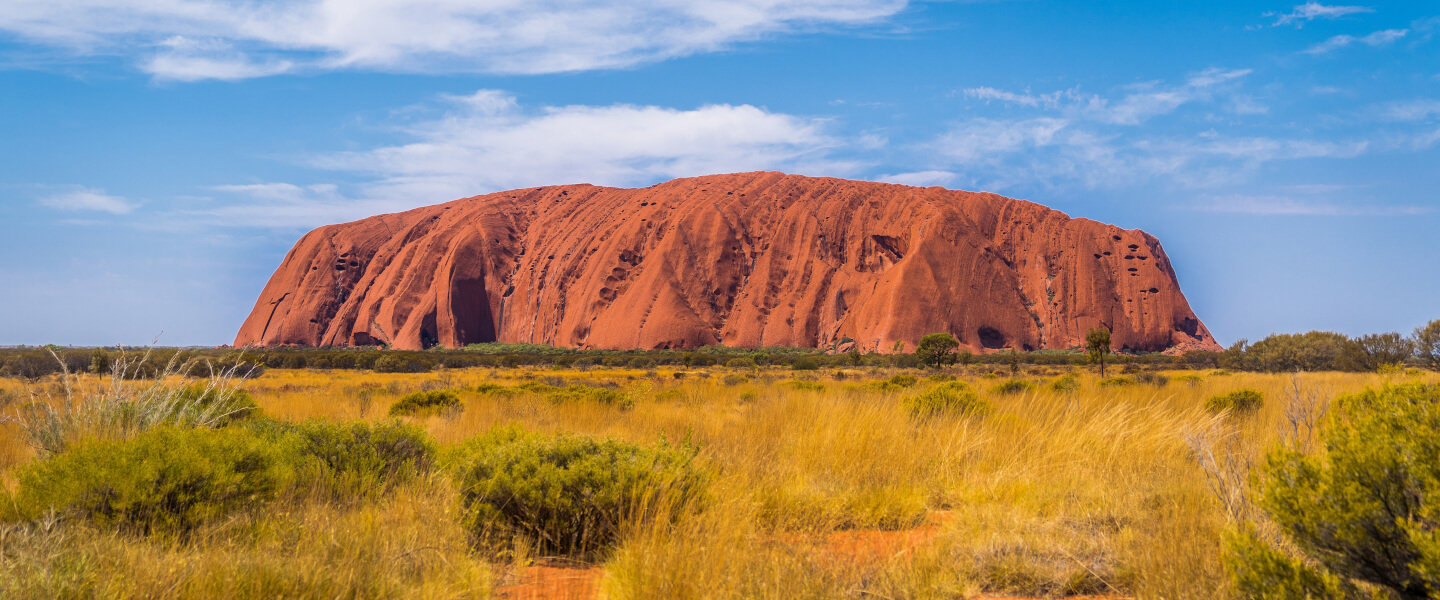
column 236, row 39
column 85, row 199
column 1310, row 11
column 919, row 178
column 1024, row 99
column 1098, row 141
column 487, row 142
column 1275, row 205
column 1376, row 39
column 1420, row 109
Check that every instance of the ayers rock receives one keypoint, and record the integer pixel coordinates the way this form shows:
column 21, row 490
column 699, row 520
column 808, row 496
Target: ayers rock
column 749, row 259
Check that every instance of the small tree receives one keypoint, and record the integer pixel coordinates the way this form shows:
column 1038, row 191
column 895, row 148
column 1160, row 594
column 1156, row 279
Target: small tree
column 1012, row 360
column 937, row 349
column 1427, row 343
column 1097, row 343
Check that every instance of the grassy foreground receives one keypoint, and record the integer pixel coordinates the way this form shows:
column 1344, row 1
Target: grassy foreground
column 1104, row 489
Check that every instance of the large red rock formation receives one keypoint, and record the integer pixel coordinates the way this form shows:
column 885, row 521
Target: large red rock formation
column 750, row 259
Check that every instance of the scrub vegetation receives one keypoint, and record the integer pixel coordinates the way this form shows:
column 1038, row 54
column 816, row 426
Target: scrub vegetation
column 739, row 478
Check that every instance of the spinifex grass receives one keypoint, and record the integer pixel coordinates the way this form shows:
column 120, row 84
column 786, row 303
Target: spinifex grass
column 1057, row 490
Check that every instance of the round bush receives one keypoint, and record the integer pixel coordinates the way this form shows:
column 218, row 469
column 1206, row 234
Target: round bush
column 1065, row 384
column 1244, row 400
column 166, row 480
column 733, row 379
column 1117, row 382
column 1012, row 386
column 348, row 460
column 428, row 402
column 949, row 398
column 567, row 493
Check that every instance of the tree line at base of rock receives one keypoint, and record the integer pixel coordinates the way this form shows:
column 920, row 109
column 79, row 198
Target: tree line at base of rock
column 1284, row 352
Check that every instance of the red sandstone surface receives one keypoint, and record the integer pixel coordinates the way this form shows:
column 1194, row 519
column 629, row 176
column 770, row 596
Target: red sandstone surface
column 747, row 259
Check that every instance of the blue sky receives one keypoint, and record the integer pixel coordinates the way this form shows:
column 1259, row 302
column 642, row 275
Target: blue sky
column 161, row 156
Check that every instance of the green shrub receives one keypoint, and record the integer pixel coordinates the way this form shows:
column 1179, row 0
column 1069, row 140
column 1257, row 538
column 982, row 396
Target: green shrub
column 895, row 383
column 350, row 460
column 748, row 397
column 567, row 493
column 1363, row 510
column 1012, row 386
column 1065, row 384
column 743, row 362
column 166, row 480
column 950, row 398
column 1190, row 379
column 808, row 386
column 1244, row 400
column 1116, row 382
column 941, row 377
column 426, row 403
column 733, row 379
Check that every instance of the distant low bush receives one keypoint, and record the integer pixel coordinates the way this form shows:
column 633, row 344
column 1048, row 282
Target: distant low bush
column 585, row 393
column 810, row 386
column 950, row 398
column 1116, row 382
column 493, row 389
column 743, row 362
column 1243, row 400
column 568, row 493
column 733, row 379
column 941, row 377
column 350, row 460
column 1155, row 379
column 1065, row 384
column 805, row 364
column 394, row 363
column 895, row 383
column 426, row 403
column 1012, row 386
column 1190, row 379
column 165, row 481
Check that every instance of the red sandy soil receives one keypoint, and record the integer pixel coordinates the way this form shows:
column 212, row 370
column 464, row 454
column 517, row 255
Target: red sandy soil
column 859, row 546
column 745, row 260
column 551, row 583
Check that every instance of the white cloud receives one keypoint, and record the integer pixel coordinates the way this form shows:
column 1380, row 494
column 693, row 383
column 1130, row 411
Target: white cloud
column 240, row 38
column 1378, row 38
column 488, row 142
column 1314, row 10
column 78, row 198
